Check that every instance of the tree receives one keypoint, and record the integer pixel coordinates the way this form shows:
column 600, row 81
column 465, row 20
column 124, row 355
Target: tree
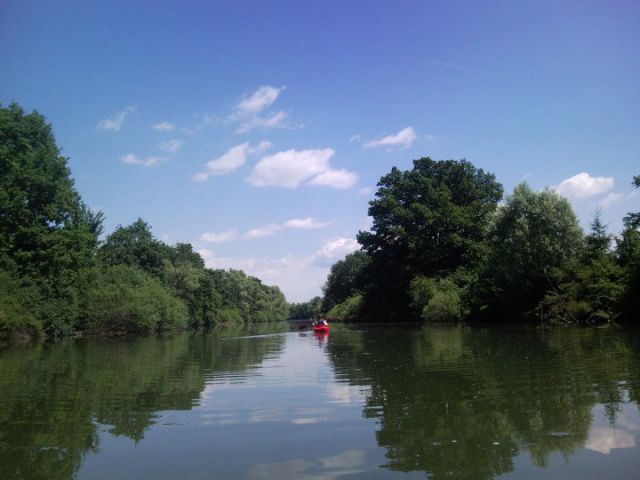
column 47, row 234
column 430, row 221
column 135, row 245
column 589, row 289
column 124, row 298
column 628, row 253
column 344, row 279
column 45, row 228
column 598, row 241
column 533, row 235
column 305, row 310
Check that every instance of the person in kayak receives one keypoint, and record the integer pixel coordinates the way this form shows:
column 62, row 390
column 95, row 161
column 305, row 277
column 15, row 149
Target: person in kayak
column 322, row 322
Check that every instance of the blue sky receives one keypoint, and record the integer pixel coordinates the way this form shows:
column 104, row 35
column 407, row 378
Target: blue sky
column 257, row 131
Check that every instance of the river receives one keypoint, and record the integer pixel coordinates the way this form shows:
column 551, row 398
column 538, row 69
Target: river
column 363, row 402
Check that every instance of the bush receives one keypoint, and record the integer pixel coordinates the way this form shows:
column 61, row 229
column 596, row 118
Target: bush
column 124, row 299
column 348, row 310
column 15, row 315
column 437, row 300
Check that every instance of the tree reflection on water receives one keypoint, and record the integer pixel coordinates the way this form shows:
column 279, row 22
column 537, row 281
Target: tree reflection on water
column 459, row 402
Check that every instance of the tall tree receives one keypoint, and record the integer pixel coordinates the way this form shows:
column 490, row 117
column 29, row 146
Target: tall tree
column 430, row 220
column 534, row 234
column 344, row 279
column 45, row 228
column 628, row 252
column 47, row 234
column 135, row 245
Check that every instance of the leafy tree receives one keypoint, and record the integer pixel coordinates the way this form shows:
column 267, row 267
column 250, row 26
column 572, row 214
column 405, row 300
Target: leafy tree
column 344, row 279
column 348, row 310
column 123, row 298
column 306, row 310
column 632, row 220
column 44, row 226
column 135, row 245
column 437, row 300
column 533, row 236
column 15, row 315
column 246, row 299
column 47, row 234
column 431, row 221
column 628, row 253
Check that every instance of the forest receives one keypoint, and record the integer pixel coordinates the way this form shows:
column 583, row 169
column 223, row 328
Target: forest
column 446, row 247
column 59, row 278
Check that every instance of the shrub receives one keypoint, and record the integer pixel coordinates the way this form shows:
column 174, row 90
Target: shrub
column 123, row 299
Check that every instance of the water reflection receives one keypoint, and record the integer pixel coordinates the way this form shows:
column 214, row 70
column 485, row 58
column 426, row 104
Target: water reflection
column 464, row 403
column 57, row 398
column 351, row 462
column 450, row 402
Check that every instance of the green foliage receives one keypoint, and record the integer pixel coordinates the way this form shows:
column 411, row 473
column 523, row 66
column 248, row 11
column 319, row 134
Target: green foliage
column 246, row 299
column 345, row 278
column 429, row 221
column 306, row 310
column 47, row 234
column 135, row 245
column 437, row 299
column 15, row 316
column 588, row 292
column 44, row 226
column 534, row 234
column 122, row 298
column 632, row 220
column 628, row 252
column 347, row 310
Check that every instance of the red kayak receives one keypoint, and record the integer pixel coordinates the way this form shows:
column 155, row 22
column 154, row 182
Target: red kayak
column 321, row 328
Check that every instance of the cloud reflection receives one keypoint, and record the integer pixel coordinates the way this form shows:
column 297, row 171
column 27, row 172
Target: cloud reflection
column 328, row 468
column 603, row 439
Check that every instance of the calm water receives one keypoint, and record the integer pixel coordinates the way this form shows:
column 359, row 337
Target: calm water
column 454, row 403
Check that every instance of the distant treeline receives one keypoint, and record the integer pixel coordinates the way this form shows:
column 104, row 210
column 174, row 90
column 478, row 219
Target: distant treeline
column 445, row 247
column 58, row 278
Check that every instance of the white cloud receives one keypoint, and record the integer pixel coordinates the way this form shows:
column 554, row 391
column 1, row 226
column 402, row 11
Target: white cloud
column 117, row 121
column 403, row 139
column 249, row 112
column 583, row 185
column 133, row 159
column 610, row 199
column 231, row 160
column 171, row 146
column 277, row 119
column 291, row 168
column 164, row 127
column 213, row 261
column 293, row 224
column 264, row 231
column 355, row 138
column 305, row 224
column 258, row 100
column 337, row 248
column 339, row 179
column 223, row 237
